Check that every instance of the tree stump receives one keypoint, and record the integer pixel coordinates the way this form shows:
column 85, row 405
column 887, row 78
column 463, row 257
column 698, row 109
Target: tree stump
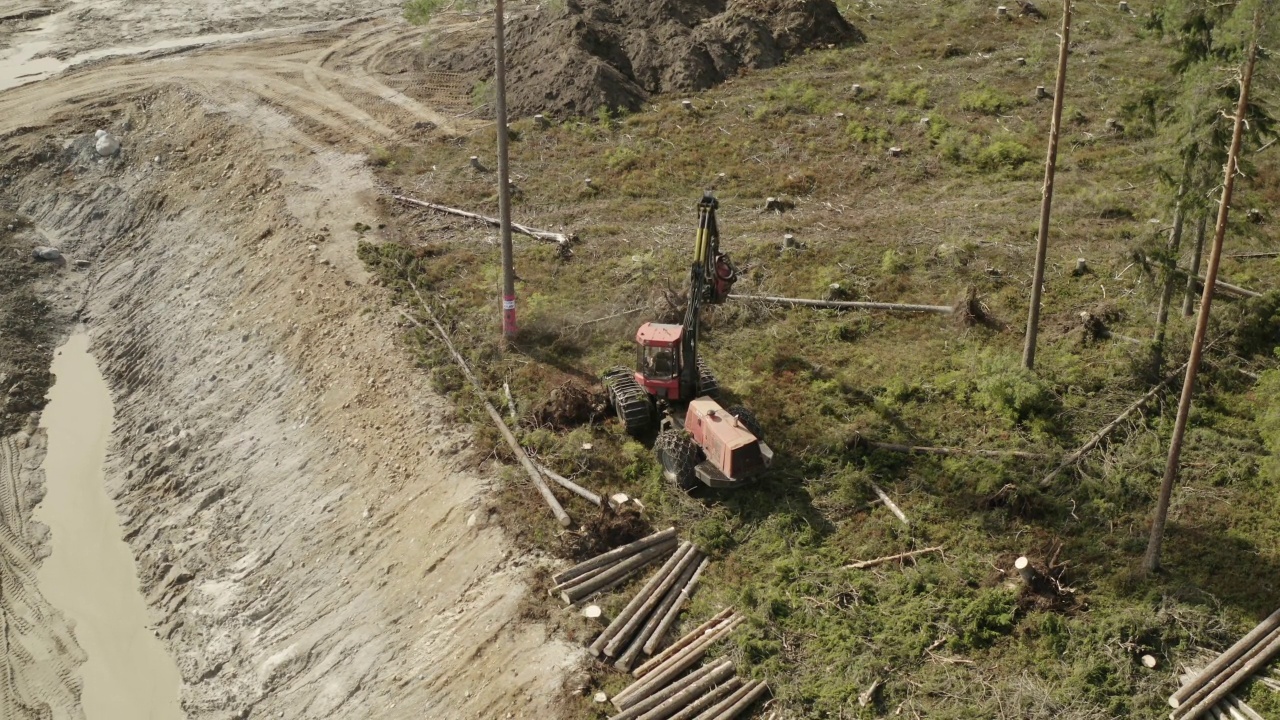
column 778, row 205
column 1028, row 573
column 856, row 90
column 1002, row 12
column 1041, row 93
column 541, row 122
column 687, row 105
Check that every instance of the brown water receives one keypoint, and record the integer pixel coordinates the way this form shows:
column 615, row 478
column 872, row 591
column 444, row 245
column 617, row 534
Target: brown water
column 91, row 576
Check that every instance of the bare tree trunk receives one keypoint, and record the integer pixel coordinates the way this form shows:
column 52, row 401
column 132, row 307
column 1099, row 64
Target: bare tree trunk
column 1189, row 298
column 1228, row 656
column 690, row 638
column 1231, row 678
column 504, row 178
column 1050, row 165
column 848, row 304
column 615, row 555
column 1151, row 562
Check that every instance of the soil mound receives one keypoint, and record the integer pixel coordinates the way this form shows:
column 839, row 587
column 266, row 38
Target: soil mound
column 617, row 54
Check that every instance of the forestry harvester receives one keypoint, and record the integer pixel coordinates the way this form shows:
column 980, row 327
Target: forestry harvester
column 698, row 440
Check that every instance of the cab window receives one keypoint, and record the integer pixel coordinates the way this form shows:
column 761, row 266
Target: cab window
column 661, row 363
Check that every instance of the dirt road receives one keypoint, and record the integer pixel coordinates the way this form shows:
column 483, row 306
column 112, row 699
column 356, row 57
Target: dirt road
column 310, row 539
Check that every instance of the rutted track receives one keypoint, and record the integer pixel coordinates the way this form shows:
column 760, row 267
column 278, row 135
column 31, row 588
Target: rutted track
column 259, row 68
column 38, row 653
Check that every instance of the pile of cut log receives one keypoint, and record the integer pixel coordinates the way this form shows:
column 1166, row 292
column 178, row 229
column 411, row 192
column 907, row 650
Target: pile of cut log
column 665, row 688
column 603, row 572
column 662, row 690
column 642, row 624
column 1209, row 692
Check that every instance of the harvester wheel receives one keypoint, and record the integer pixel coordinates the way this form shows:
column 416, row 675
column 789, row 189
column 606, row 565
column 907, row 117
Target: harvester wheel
column 678, row 455
column 748, row 420
column 628, row 399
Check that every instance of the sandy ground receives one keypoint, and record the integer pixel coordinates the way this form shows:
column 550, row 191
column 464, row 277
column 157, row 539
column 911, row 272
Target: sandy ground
column 310, row 539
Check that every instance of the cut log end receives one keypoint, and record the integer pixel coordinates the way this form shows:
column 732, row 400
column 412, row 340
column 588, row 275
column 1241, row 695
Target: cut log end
column 1023, row 566
column 592, row 612
column 1149, row 661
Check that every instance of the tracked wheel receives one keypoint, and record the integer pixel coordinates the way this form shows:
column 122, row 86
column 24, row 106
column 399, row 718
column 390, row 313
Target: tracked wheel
column 628, row 400
column 707, row 383
column 748, row 420
column 678, row 456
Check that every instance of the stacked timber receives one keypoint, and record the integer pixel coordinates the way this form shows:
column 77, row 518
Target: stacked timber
column 603, row 572
column 641, row 625
column 1209, row 692
column 665, row 689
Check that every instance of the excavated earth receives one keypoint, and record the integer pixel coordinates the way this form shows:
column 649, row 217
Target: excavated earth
column 619, row 53
column 312, row 538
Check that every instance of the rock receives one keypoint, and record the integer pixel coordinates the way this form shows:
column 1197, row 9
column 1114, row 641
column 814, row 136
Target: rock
column 43, row 252
column 106, row 146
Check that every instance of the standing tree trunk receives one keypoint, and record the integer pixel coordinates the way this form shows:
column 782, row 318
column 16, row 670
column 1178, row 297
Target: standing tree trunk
column 504, row 178
column 1151, row 562
column 1046, row 204
column 1188, row 299
column 1170, row 274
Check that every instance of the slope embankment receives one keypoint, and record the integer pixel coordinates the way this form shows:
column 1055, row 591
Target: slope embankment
column 309, row 537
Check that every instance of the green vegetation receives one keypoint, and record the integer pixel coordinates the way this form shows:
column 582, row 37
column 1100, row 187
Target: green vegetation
column 987, row 101
column 953, row 636
column 420, row 12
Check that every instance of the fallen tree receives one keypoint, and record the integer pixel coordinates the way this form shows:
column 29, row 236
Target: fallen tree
column 560, row 238
column 1074, row 457
column 847, row 304
column 561, row 516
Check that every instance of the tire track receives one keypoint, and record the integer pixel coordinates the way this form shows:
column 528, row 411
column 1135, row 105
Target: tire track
column 38, row 666
column 348, row 101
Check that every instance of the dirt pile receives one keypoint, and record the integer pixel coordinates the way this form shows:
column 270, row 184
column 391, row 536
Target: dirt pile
column 619, row 54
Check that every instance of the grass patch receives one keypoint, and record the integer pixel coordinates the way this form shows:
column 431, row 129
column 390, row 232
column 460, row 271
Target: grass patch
column 951, row 636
